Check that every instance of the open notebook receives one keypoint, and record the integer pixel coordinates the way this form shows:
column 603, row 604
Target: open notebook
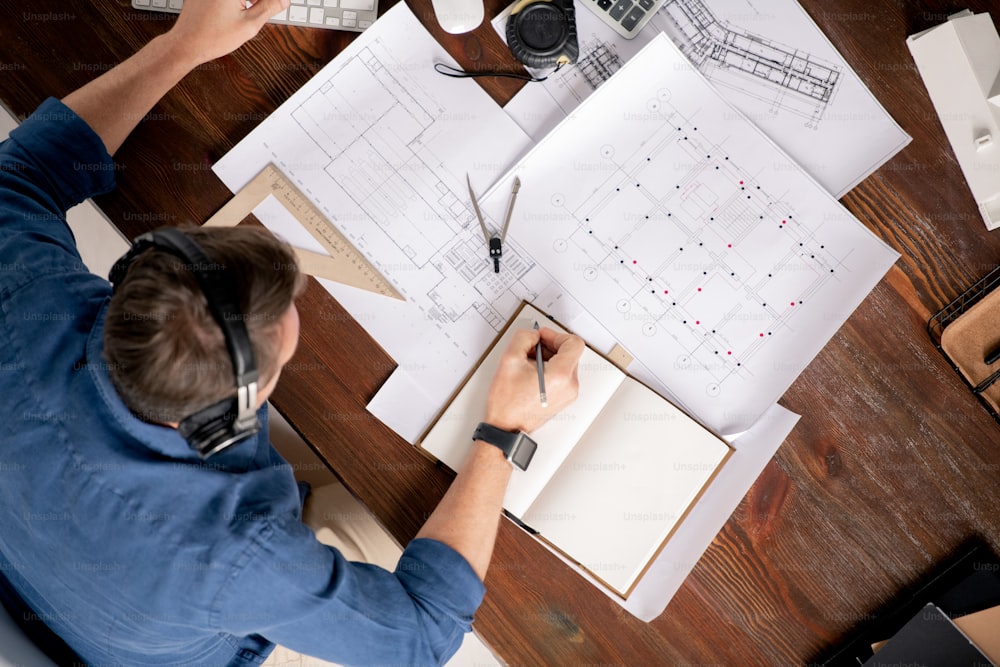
column 614, row 473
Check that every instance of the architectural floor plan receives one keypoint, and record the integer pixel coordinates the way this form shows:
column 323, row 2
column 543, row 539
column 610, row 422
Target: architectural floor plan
column 785, row 78
column 381, row 143
column 703, row 250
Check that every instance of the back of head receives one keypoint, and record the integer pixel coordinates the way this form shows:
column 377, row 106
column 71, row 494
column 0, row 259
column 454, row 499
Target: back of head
column 166, row 354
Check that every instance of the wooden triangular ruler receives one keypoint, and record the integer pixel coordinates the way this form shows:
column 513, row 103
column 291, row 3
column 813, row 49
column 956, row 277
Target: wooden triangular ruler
column 345, row 264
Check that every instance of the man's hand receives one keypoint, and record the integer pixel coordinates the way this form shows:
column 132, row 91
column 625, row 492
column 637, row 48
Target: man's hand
column 209, row 29
column 513, row 403
column 113, row 103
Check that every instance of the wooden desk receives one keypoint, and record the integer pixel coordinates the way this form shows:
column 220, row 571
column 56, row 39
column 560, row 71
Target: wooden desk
column 893, row 465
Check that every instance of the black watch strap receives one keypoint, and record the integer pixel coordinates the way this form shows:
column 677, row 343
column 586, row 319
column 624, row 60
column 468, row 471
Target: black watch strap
column 517, row 447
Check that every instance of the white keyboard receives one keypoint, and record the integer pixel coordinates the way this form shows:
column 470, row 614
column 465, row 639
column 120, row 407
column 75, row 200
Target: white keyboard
column 354, row 15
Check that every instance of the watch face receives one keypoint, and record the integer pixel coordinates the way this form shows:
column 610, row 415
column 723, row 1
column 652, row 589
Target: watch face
column 523, row 452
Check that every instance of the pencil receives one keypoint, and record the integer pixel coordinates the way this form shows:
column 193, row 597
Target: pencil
column 541, row 371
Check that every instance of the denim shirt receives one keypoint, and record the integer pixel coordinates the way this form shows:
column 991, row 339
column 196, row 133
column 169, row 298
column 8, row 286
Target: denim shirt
column 113, row 531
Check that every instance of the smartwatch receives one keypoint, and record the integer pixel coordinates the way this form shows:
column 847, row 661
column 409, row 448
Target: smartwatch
column 517, row 447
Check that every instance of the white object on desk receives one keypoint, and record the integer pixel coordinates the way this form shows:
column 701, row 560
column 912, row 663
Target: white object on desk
column 458, row 16
column 959, row 62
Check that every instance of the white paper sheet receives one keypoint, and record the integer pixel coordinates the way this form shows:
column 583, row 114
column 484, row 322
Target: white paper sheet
column 699, row 245
column 769, row 60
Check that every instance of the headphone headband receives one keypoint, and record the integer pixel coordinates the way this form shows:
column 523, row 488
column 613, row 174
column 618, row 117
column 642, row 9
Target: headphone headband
column 222, row 424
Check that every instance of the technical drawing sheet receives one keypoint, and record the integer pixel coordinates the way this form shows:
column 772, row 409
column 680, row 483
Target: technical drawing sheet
column 704, row 250
column 769, row 59
column 381, row 143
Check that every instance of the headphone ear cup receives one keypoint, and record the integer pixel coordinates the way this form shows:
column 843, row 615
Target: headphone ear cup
column 214, row 428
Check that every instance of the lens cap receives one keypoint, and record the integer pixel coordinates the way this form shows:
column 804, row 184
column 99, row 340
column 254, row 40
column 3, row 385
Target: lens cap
column 542, row 27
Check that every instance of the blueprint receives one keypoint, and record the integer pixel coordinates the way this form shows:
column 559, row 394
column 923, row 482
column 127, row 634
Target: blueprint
column 703, row 249
column 381, row 143
column 768, row 59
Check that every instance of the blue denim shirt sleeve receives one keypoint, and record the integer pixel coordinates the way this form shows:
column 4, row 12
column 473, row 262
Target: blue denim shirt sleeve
column 52, row 162
column 304, row 595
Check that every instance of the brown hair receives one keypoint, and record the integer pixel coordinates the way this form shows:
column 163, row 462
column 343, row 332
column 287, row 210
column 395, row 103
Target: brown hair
column 166, row 354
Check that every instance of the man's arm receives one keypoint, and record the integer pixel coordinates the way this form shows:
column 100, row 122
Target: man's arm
column 468, row 516
column 114, row 103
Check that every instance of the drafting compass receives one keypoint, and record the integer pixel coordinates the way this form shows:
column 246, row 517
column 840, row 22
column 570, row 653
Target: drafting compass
column 495, row 242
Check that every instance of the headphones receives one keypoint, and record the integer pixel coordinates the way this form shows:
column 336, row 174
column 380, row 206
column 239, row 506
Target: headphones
column 231, row 420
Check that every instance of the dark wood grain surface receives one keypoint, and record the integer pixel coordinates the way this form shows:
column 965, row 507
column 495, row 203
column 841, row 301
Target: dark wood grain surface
column 892, row 467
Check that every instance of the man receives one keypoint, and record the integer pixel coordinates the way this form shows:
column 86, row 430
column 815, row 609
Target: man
column 114, row 533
